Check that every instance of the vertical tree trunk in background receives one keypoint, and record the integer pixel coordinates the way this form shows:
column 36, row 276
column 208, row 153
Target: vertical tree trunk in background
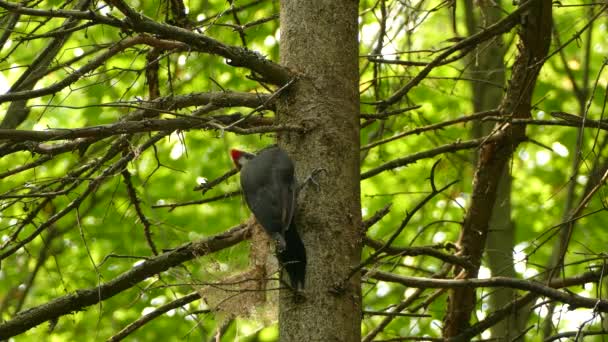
column 319, row 43
column 486, row 63
column 535, row 38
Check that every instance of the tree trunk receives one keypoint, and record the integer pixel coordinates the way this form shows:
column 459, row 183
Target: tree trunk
column 535, row 38
column 486, row 64
column 319, row 43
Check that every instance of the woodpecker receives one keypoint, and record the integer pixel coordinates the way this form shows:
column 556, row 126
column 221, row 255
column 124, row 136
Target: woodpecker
column 269, row 187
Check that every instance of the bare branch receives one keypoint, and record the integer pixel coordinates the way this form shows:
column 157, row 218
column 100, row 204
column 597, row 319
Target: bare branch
column 84, row 15
column 504, row 25
column 403, row 224
column 367, row 223
column 126, row 331
column 130, row 127
column 92, row 187
column 416, row 251
column 573, row 300
column 210, row 185
column 80, row 299
column 432, row 127
column 235, row 56
column 75, row 76
column 140, row 214
column 172, row 206
column 412, row 158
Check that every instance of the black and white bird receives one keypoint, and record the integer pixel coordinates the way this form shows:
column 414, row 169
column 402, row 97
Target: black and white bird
column 270, row 189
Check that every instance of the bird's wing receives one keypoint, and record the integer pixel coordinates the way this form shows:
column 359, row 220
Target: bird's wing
column 284, row 176
column 261, row 202
column 288, row 197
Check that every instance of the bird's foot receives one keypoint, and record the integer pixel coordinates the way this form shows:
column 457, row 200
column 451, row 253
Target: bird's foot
column 338, row 288
column 279, row 240
column 312, row 178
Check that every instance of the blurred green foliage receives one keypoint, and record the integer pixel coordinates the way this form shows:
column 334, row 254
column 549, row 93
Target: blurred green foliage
column 108, row 223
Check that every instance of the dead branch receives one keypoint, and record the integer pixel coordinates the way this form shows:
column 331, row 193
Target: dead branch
column 81, row 299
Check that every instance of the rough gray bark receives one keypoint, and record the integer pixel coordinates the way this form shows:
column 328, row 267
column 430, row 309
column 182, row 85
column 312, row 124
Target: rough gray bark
column 319, row 43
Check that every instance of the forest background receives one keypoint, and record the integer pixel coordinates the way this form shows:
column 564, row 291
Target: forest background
column 463, row 146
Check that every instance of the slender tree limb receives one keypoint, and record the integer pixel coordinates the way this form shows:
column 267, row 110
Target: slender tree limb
column 504, row 25
column 404, row 223
column 223, row 99
column 416, row 251
column 235, row 56
column 576, row 334
column 17, row 111
column 405, row 304
column 46, row 149
column 172, row 206
column 140, row 214
column 14, row 7
column 432, row 127
column 520, row 303
column 573, row 300
column 398, row 308
column 577, row 35
column 43, row 254
column 367, row 223
column 412, row 158
column 92, row 187
column 126, row 331
column 80, row 299
column 130, row 127
column 393, row 313
column 464, row 52
column 73, row 179
column 232, row 9
column 41, row 160
column 9, row 26
column 387, row 114
column 566, row 120
column 152, row 109
column 494, row 318
column 523, row 302
column 210, row 185
column 77, row 74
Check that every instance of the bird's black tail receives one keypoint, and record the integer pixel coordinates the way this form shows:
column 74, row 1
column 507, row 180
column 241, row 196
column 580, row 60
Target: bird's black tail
column 293, row 258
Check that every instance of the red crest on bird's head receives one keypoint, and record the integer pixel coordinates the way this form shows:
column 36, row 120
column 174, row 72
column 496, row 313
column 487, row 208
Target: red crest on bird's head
column 235, row 155
column 240, row 157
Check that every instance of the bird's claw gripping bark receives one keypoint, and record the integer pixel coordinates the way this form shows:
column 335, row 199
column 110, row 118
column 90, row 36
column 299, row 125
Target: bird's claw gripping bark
column 312, row 178
column 281, row 245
